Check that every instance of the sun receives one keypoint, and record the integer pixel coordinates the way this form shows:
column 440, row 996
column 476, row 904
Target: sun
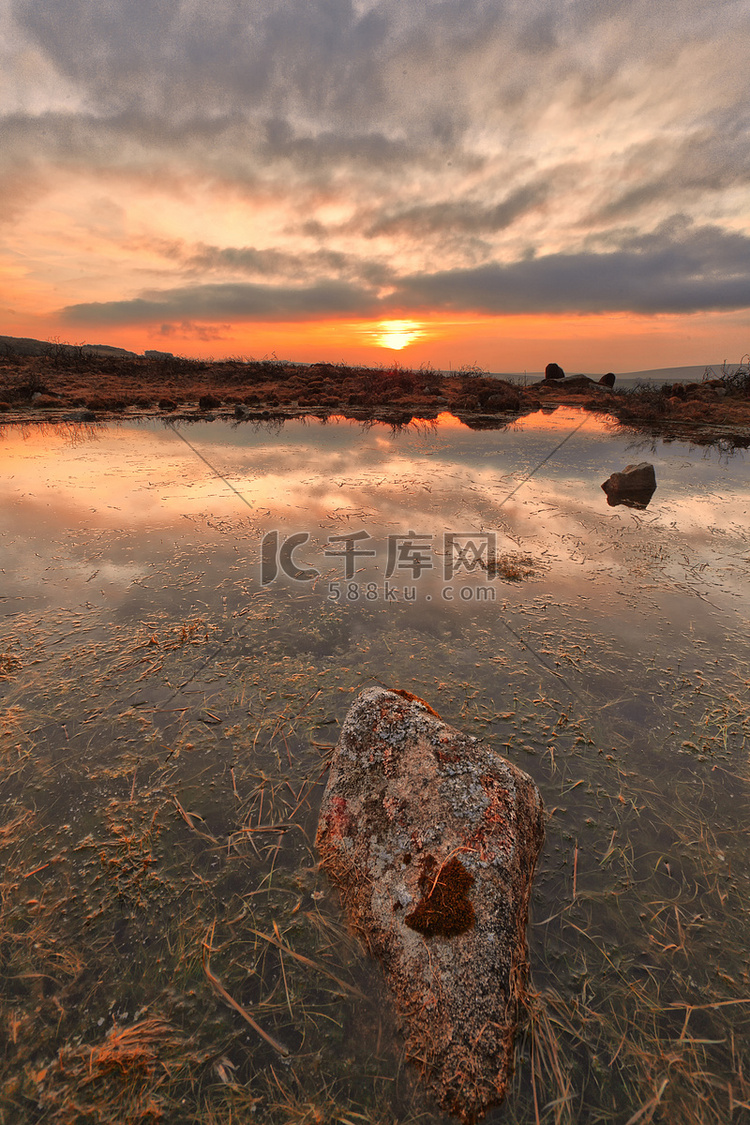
column 397, row 334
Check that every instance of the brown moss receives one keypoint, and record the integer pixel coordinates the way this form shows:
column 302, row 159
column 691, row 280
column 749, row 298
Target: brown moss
column 445, row 908
column 414, row 699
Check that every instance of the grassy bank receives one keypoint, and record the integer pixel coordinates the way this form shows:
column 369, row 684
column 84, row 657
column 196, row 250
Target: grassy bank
column 69, row 380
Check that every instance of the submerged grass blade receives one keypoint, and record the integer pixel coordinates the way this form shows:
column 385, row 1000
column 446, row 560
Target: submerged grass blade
column 221, row 991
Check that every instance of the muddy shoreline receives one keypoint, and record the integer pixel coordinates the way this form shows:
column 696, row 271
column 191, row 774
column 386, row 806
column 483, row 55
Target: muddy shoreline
column 90, row 388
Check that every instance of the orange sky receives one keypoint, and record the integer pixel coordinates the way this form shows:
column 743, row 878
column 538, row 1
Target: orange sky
column 591, row 344
column 372, row 180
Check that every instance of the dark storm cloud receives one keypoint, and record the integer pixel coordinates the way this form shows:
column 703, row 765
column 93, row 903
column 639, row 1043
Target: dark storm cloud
column 677, row 269
column 236, row 301
column 704, row 269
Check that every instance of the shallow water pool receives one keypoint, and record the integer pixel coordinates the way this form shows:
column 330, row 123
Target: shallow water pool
column 186, row 612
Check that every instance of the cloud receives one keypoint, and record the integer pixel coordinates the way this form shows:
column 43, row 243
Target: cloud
column 190, row 330
column 675, row 269
column 703, row 269
column 476, row 154
column 401, row 76
column 175, row 58
column 465, row 216
column 289, row 265
column 235, row 301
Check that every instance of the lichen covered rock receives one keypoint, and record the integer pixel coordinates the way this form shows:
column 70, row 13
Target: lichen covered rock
column 432, row 838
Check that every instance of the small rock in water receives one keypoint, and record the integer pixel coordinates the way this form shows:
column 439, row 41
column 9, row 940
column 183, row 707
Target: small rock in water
column 633, row 487
column 432, row 838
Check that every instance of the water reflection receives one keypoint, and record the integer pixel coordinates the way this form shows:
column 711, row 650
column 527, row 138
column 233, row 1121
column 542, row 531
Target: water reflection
column 109, row 508
column 434, row 526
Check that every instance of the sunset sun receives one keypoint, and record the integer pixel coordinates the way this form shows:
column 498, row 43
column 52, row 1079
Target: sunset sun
column 397, row 334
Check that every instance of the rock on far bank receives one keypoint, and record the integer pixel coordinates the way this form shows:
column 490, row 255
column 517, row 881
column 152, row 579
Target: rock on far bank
column 432, row 838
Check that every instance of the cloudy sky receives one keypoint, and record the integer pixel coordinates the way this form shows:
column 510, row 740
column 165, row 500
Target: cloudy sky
column 502, row 182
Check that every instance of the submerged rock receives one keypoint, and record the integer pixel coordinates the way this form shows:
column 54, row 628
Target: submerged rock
column 80, row 416
column 634, row 486
column 208, row 402
column 432, row 838
column 500, row 402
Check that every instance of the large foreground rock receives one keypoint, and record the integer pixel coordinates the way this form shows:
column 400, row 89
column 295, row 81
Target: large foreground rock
column 432, row 839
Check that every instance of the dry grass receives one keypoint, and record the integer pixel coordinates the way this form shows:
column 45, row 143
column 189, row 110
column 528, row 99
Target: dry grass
column 510, row 567
column 9, row 665
column 124, row 1078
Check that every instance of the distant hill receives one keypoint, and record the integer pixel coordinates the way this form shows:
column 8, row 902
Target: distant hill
column 23, row 345
column 691, row 374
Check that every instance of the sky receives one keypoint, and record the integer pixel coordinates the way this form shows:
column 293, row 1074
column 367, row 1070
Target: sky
column 501, row 183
